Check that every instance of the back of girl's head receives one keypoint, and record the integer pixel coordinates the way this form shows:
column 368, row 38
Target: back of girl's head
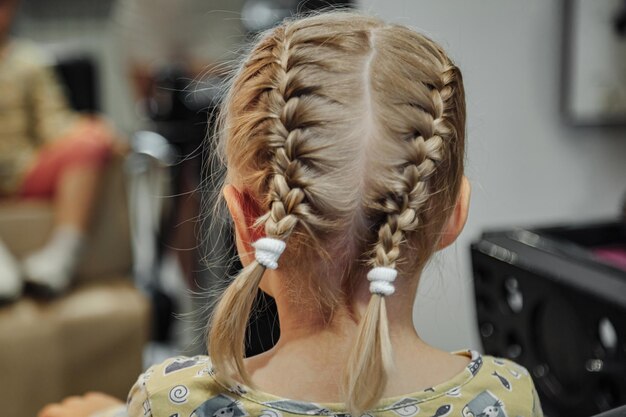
column 347, row 134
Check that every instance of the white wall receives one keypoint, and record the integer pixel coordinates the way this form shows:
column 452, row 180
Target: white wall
column 525, row 165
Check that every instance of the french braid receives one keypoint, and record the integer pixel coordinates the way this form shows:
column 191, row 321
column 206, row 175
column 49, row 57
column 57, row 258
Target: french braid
column 289, row 177
column 278, row 112
column 401, row 208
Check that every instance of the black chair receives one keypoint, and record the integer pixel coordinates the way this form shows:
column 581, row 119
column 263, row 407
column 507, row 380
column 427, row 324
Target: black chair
column 546, row 301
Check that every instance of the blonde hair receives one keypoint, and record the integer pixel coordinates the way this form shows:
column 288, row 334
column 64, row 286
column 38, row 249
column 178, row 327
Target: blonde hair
column 348, row 134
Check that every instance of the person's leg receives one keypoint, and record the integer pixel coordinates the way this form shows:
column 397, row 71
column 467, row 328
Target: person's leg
column 10, row 279
column 76, row 195
column 69, row 173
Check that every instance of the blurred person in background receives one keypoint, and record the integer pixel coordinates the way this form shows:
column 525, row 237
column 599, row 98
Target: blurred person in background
column 47, row 151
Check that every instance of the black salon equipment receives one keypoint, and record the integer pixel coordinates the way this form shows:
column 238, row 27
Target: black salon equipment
column 554, row 300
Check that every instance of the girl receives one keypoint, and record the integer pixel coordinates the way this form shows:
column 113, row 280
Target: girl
column 344, row 141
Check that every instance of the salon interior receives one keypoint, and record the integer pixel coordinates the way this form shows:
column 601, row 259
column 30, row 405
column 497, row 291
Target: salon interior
column 114, row 247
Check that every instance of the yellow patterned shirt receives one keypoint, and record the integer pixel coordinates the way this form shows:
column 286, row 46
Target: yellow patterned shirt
column 185, row 387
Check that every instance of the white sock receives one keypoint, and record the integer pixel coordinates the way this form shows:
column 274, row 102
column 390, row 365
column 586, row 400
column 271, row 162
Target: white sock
column 10, row 277
column 53, row 266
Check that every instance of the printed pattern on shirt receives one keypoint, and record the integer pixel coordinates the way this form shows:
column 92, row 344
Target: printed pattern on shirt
column 186, row 387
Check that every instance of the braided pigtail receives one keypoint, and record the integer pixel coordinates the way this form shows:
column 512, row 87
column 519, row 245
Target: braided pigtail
column 372, row 357
column 228, row 324
column 278, row 115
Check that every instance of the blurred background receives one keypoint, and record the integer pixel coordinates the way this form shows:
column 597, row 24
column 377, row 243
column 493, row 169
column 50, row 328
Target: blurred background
column 109, row 263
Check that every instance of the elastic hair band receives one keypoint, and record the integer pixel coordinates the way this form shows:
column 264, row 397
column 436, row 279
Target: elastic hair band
column 381, row 280
column 268, row 250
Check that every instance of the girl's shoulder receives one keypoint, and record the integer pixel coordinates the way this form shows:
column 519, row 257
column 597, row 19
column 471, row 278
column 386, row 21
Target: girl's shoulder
column 499, row 388
column 176, row 370
column 177, row 386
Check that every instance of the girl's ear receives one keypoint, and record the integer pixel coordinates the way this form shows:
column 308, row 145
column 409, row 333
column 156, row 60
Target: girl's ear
column 244, row 210
column 456, row 222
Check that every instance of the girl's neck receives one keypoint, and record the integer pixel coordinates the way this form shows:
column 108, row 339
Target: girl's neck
column 309, row 365
column 299, row 319
column 309, row 359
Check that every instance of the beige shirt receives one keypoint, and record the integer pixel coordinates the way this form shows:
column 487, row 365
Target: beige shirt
column 33, row 109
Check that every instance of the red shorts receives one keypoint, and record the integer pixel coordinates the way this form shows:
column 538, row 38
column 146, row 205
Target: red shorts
column 89, row 146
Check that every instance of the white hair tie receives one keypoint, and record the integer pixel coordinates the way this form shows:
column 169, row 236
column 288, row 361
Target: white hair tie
column 381, row 280
column 268, row 250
